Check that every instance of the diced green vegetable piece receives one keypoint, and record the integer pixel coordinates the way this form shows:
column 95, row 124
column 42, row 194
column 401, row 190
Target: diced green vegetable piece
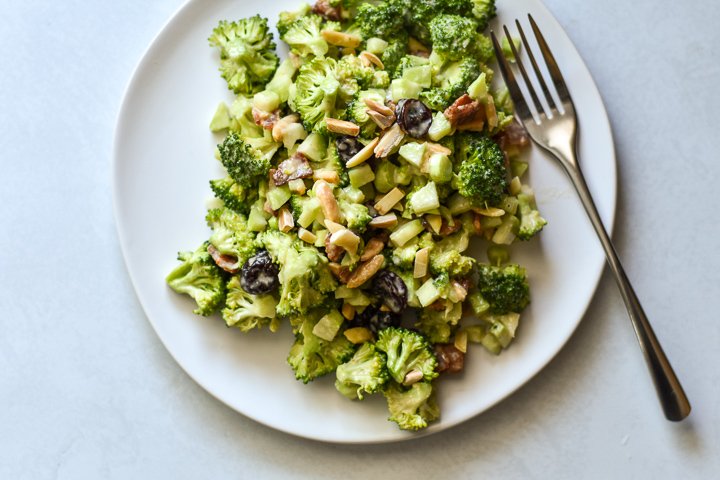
column 491, row 344
column 221, row 119
column 406, row 232
column 490, row 222
column 321, row 235
column 256, row 219
column 376, row 45
column 361, row 175
column 403, row 88
column 278, row 196
column 475, row 333
column 501, row 333
column 505, row 233
column 428, row 293
column 328, row 326
column 425, row 199
column 478, row 304
column 313, row 147
column 439, row 128
column 478, row 90
column 282, row 80
column 440, row 168
column 422, row 75
column 518, row 168
column 509, row 204
column 413, row 153
column 457, row 204
column 352, row 296
column 311, row 210
column 267, row 101
column 352, row 194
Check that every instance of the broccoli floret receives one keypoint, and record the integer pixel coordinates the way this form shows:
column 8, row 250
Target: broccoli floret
column 454, row 37
column 438, row 325
column 304, row 36
column 245, row 311
column 355, row 215
column 231, row 235
column 482, row 175
column 395, row 51
column 357, row 110
column 234, row 195
column 310, row 356
column 333, row 162
column 406, row 351
column 382, row 20
column 314, row 92
column 451, row 262
column 421, row 13
column 404, row 257
column 247, row 53
column 351, row 68
column 531, row 222
column 199, row 277
column 305, row 279
column 414, row 408
column 364, row 372
column 287, row 18
column 243, row 124
column 244, row 164
column 450, row 83
column 483, row 11
column 505, row 288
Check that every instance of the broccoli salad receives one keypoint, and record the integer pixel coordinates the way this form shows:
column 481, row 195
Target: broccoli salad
column 359, row 170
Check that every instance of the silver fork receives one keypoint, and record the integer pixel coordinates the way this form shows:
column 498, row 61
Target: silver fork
column 556, row 133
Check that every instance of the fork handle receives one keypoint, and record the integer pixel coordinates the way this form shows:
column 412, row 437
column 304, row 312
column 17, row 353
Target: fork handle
column 674, row 402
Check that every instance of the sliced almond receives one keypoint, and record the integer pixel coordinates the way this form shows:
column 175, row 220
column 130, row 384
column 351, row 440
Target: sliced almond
column 328, row 203
column 381, row 120
column 389, row 141
column 358, row 335
column 307, row 236
column 341, row 39
column 348, row 311
column 285, row 220
column 490, row 211
column 477, row 223
column 477, row 125
column 461, row 339
column 422, row 259
column 491, row 112
column 378, row 107
column 365, row 271
column 437, row 148
column 384, row 221
column 413, row 376
column 435, row 222
column 373, row 247
column 330, row 176
column 363, row 155
column 368, row 58
column 281, row 126
column 342, row 126
column 459, row 291
column 385, row 204
column 333, row 226
column 346, row 239
column 340, row 272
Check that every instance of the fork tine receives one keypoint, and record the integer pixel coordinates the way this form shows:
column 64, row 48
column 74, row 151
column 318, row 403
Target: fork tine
column 536, row 101
column 538, row 74
column 515, row 92
column 552, row 65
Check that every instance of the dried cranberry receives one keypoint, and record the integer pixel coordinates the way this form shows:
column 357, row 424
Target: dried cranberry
column 414, row 117
column 389, row 287
column 375, row 319
column 347, row 147
column 259, row 274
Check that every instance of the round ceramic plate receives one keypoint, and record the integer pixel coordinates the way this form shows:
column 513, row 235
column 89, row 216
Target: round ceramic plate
column 164, row 159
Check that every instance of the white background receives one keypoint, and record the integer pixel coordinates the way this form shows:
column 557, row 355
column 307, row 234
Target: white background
column 88, row 391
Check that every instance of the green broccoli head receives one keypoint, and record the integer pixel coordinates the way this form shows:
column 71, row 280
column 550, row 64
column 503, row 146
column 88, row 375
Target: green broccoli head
column 421, row 12
column 450, row 83
column 482, row 176
column 287, row 18
column 245, row 311
column 310, row 356
column 304, row 37
column 483, row 11
column 406, row 351
column 199, row 277
column 243, row 124
column 450, row 262
column 305, row 279
column 315, row 92
column 382, row 20
column 395, row 51
column 231, row 236
column 244, row 164
column 453, row 36
column 505, row 288
column 439, row 325
column 413, row 408
column 350, row 67
column 355, row 215
column 365, row 372
column 247, row 53
column 357, row 110
column 531, row 222
column 234, row 195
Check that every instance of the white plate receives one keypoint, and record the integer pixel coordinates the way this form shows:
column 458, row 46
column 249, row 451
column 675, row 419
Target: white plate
column 164, row 159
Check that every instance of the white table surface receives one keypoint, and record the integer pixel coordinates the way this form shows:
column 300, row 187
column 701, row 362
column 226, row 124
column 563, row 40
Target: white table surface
column 88, row 391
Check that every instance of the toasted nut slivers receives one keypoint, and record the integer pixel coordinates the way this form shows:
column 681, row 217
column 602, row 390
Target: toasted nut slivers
column 381, row 120
column 385, row 204
column 328, row 203
column 342, row 126
column 341, row 39
column 413, row 376
column 348, row 311
column 384, row 221
column 368, row 59
column 422, row 258
column 333, row 226
column 365, row 271
column 297, row 186
column 389, row 141
column 435, row 222
column 278, row 131
column 459, row 291
column 363, row 155
column 379, row 107
column 330, row 176
column 473, row 126
column 491, row 112
column 461, row 341
column 307, row 236
column 490, row 211
column 358, row 335
column 437, row 148
column 346, row 239
column 477, row 223
column 285, row 220
column 373, row 247
column 341, row 273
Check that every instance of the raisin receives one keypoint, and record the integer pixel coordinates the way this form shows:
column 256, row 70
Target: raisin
column 375, row 319
column 414, row 117
column 347, row 147
column 389, row 287
column 259, row 274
